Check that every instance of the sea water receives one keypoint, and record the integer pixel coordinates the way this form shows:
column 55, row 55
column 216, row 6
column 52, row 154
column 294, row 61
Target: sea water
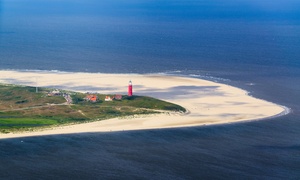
column 250, row 44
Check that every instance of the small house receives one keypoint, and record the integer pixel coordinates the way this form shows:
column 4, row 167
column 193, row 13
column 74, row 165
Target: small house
column 118, row 97
column 91, row 98
column 55, row 92
column 108, row 98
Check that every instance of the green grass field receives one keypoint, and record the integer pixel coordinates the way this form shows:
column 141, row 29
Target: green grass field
column 22, row 109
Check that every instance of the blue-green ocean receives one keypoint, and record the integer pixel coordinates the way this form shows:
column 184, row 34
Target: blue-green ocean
column 251, row 44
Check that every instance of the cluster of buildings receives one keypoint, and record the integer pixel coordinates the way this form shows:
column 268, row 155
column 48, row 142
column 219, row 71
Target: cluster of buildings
column 94, row 97
column 91, row 97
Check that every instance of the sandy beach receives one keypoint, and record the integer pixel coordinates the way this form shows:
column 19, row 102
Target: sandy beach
column 207, row 102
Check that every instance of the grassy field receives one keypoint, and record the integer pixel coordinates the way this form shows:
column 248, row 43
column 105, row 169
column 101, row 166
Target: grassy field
column 23, row 109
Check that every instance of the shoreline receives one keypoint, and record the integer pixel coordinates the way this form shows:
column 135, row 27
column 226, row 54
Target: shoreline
column 207, row 102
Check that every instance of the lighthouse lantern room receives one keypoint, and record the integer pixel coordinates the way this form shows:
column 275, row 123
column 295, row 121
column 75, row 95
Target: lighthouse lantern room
column 130, row 88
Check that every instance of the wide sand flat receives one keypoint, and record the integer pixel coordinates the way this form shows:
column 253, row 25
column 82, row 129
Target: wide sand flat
column 207, row 102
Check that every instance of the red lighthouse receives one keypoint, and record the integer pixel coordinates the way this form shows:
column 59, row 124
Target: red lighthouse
column 130, row 88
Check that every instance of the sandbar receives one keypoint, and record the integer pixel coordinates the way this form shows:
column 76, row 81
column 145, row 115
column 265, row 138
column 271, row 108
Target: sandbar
column 206, row 102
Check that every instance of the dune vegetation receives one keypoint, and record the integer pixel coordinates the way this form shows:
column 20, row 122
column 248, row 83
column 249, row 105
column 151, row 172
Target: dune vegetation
column 22, row 108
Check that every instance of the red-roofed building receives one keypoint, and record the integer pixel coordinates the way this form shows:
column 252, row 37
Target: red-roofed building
column 118, row 97
column 92, row 98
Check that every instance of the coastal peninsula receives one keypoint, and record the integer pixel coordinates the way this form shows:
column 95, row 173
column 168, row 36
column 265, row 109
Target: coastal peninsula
column 206, row 102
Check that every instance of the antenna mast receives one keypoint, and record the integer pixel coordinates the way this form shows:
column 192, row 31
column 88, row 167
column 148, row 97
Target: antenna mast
column 36, row 86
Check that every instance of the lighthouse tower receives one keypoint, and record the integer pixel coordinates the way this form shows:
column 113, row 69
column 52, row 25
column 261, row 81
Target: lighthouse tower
column 130, row 88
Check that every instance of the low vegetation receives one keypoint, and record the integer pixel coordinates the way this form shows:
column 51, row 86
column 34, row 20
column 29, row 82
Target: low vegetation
column 24, row 109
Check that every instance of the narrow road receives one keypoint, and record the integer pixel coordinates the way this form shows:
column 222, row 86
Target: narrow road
column 68, row 98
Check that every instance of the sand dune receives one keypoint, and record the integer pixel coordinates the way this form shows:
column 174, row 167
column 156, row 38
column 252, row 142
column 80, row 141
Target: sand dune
column 207, row 102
